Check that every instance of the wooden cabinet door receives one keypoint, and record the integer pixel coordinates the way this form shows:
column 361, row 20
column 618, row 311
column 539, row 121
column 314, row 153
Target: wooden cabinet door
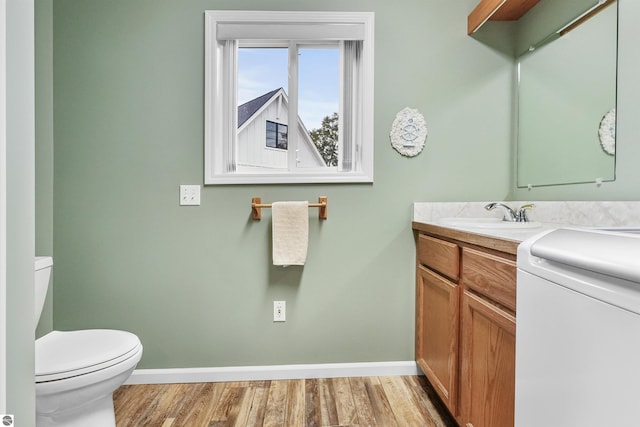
column 437, row 327
column 488, row 356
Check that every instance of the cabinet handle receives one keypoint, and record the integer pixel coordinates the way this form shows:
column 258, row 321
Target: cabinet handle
column 469, row 425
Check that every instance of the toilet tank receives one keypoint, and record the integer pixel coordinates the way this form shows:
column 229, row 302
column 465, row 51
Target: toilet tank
column 43, row 266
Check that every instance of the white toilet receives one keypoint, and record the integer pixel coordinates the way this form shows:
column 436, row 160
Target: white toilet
column 78, row 371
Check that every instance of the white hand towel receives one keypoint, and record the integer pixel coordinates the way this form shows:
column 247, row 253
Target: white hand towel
column 290, row 223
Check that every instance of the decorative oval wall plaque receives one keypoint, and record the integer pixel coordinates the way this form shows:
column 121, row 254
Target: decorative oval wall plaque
column 607, row 132
column 408, row 132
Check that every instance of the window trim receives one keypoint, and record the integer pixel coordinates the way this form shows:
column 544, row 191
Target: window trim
column 220, row 102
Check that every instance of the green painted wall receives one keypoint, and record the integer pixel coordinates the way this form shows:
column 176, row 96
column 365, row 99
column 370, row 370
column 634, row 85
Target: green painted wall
column 44, row 145
column 195, row 283
column 20, row 399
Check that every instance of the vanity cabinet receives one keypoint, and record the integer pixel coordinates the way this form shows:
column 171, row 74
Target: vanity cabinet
column 488, row 340
column 437, row 320
column 465, row 323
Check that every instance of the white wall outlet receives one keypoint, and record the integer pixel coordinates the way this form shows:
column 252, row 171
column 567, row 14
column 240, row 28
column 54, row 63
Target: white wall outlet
column 189, row 195
column 279, row 311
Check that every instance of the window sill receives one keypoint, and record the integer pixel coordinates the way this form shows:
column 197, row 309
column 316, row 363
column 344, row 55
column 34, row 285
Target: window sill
column 289, row 178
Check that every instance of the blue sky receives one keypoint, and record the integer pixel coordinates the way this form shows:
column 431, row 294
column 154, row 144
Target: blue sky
column 262, row 70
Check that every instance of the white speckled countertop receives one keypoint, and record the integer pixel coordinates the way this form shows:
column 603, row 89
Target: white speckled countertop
column 551, row 215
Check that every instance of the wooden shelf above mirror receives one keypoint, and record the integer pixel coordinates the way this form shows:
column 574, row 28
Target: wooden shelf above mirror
column 497, row 10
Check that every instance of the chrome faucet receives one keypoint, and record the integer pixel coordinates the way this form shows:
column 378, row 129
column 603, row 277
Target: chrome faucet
column 510, row 214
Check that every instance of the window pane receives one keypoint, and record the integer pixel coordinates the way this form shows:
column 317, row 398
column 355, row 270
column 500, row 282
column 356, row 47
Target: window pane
column 261, row 70
column 319, row 94
column 271, row 134
column 262, row 107
column 277, row 135
column 283, row 136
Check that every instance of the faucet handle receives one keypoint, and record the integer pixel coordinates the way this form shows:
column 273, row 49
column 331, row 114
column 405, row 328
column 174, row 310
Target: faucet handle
column 522, row 212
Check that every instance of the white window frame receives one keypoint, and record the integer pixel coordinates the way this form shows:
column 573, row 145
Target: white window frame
column 220, row 91
column 3, row 207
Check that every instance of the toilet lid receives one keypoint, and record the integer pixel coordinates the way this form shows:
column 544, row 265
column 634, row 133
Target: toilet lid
column 62, row 355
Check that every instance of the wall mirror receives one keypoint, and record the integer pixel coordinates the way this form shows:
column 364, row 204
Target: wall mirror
column 566, row 99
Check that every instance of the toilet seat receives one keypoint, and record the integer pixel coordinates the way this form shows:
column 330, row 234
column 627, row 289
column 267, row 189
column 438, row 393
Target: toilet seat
column 61, row 355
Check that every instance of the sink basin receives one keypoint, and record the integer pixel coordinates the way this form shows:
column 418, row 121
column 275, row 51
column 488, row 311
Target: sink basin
column 489, row 223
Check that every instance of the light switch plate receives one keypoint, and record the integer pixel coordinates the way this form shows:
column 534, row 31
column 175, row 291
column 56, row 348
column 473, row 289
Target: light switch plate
column 189, row 195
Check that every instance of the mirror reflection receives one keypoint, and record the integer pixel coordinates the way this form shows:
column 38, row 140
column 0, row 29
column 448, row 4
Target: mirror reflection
column 566, row 105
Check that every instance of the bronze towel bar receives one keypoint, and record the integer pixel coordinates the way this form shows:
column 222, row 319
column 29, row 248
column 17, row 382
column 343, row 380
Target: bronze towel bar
column 257, row 205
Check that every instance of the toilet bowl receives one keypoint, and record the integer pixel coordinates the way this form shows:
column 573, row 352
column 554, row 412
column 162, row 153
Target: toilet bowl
column 76, row 372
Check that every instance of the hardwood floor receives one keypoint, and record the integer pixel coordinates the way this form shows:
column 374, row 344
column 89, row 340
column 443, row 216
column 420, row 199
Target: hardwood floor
column 371, row 401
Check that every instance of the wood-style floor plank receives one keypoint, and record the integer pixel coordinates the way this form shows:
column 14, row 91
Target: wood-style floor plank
column 227, row 410
column 345, row 405
column 295, row 413
column 132, row 407
column 328, row 411
column 201, row 412
column 189, row 403
column 258, row 404
column 362, row 402
column 276, row 404
column 326, row 402
column 243, row 409
column 428, row 402
column 402, row 404
column 313, row 415
column 381, row 407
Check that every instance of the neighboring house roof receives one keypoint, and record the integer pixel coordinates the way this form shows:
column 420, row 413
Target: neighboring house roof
column 249, row 108
column 252, row 110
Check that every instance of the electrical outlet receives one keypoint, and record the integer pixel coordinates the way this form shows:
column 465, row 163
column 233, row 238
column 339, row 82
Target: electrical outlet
column 189, row 195
column 279, row 311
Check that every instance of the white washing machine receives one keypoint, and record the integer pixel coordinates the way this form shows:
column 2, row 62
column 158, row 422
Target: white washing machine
column 578, row 329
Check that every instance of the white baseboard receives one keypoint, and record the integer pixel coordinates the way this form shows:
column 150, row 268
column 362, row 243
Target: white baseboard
column 277, row 372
